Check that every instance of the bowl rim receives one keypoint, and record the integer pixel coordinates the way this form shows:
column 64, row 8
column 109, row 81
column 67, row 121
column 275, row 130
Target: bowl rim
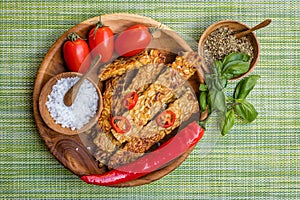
column 218, row 24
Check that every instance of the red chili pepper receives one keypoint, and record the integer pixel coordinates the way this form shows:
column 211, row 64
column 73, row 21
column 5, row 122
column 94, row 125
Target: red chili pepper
column 185, row 138
column 130, row 100
column 166, row 119
column 120, row 124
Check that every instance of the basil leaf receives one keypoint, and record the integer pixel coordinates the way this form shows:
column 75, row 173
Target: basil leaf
column 235, row 62
column 216, row 100
column 203, row 87
column 203, row 101
column 218, row 84
column 228, row 123
column 218, row 66
column 246, row 111
column 236, row 69
column 235, row 56
column 245, row 86
column 224, row 82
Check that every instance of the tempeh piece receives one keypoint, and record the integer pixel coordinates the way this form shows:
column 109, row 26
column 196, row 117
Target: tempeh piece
column 155, row 98
column 149, row 104
column 104, row 140
column 153, row 133
column 124, row 64
column 168, row 86
column 186, row 64
column 137, row 80
column 107, row 103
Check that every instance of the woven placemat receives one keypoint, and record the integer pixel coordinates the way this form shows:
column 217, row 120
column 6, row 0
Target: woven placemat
column 254, row 161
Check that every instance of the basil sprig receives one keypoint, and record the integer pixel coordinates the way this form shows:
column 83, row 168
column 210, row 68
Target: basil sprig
column 212, row 93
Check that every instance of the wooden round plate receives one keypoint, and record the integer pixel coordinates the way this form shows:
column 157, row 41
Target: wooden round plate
column 69, row 149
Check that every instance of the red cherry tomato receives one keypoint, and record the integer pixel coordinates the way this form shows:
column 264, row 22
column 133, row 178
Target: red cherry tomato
column 120, row 124
column 133, row 40
column 76, row 54
column 166, row 119
column 130, row 100
column 101, row 42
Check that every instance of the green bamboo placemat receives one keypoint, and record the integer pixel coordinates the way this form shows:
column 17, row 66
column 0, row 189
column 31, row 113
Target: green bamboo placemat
column 254, row 161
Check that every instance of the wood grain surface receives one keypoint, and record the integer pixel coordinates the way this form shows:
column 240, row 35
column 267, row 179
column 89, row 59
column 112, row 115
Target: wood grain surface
column 73, row 150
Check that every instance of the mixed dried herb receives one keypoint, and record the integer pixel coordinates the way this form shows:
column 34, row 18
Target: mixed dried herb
column 222, row 42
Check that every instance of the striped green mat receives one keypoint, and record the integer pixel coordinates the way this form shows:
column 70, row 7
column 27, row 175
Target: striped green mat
column 254, row 161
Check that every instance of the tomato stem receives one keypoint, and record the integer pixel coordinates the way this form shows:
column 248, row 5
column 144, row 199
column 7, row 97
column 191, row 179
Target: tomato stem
column 98, row 25
column 73, row 36
column 155, row 31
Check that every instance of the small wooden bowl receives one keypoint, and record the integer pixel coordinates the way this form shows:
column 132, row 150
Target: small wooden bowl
column 236, row 26
column 45, row 112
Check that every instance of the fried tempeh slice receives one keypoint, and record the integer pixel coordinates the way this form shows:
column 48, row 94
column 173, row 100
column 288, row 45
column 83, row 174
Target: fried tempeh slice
column 104, row 140
column 149, row 104
column 124, row 64
column 137, row 80
column 107, row 103
column 168, row 86
column 152, row 133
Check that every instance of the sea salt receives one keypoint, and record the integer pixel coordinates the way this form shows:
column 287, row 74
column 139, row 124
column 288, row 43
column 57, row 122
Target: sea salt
column 81, row 111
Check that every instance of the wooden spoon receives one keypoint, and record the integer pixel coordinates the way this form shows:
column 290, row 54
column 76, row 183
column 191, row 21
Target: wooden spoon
column 71, row 94
column 258, row 26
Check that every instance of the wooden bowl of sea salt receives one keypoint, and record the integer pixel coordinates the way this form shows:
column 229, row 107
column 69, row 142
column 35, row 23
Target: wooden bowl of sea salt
column 77, row 118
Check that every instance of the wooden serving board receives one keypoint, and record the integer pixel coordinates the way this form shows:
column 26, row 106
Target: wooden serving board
column 70, row 150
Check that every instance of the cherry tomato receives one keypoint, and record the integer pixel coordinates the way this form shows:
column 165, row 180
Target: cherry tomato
column 76, row 54
column 120, row 124
column 133, row 40
column 130, row 100
column 166, row 119
column 101, row 41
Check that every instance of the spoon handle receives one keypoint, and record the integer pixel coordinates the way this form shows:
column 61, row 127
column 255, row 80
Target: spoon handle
column 71, row 94
column 258, row 26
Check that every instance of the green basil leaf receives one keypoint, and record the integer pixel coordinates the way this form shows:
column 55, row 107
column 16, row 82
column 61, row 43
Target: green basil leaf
column 245, row 86
column 224, row 82
column 203, row 101
column 218, row 66
column 218, row 84
column 246, row 111
column 236, row 69
column 203, row 87
column 232, row 63
column 228, row 122
column 216, row 100
column 235, row 56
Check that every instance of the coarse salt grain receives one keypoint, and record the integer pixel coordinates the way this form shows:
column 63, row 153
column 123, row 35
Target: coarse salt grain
column 81, row 111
